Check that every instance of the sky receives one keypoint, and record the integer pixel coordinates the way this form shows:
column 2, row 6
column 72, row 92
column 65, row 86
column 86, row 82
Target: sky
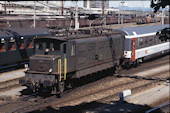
column 115, row 3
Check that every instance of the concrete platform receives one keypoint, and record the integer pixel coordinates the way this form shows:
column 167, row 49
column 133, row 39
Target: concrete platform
column 12, row 75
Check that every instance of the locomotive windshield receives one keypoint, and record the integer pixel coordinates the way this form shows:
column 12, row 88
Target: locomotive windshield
column 47, row 45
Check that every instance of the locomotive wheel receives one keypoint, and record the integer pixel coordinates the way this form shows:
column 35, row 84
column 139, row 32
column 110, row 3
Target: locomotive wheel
column 48, row 91
column 136, row 64
column 60, row 87
column 40, row 90
column 118, row 68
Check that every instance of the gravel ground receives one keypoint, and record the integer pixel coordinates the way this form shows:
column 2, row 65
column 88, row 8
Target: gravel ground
column 153, row 71
column 138, row 103
column 151, row 95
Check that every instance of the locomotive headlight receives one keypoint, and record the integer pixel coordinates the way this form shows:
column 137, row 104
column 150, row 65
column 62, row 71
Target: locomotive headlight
column 50, row 70
column 26, row 67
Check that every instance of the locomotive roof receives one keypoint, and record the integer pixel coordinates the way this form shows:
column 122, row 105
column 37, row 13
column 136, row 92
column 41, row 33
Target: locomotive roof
column 134, row 32
column 77, row 36
column 24, row 32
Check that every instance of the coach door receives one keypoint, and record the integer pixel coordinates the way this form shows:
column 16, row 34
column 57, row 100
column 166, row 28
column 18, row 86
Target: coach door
column 133, row 49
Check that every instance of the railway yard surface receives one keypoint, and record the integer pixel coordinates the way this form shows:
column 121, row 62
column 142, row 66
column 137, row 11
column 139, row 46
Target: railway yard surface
column 149, row 85
column 97, row 96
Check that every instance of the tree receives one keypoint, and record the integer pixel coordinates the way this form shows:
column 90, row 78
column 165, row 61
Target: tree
column 157, row 4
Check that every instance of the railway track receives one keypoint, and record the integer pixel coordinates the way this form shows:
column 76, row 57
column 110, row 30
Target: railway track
column 111, row 93
column 135, row 86
column 89, row 92
column 8, row 85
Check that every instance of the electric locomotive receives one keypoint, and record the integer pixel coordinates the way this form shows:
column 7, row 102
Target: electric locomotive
column 59, row 59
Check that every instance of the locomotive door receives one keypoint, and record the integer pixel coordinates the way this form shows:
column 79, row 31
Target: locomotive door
column 133, row 49
column 64, row 60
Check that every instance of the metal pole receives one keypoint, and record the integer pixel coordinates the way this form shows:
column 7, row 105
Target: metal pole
column 122, row 12
column 103, row 7
column 62, row 7
column 76, row 17
column 162, row 16
column 119, row 15
column 5, row 7
column 103, row 11
column 34, row 13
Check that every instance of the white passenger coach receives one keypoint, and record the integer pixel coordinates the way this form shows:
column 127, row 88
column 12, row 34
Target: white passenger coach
column 142, row 42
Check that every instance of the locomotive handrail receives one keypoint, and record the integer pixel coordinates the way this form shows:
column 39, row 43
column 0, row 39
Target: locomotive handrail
column 59, row 68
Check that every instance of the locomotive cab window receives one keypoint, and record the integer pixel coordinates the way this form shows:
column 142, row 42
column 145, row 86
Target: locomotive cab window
column 2, row 45
column 73, row 49
column 50, row 44
column 39, row 45
column 11, row 44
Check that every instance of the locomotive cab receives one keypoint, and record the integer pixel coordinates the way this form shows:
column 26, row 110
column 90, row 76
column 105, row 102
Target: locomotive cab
column 46, row 69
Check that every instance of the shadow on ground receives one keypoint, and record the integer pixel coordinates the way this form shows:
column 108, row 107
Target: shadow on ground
column 97, row 107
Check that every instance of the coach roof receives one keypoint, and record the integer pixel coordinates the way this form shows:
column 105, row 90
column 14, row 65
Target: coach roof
column 23, row 32
column 134, row 32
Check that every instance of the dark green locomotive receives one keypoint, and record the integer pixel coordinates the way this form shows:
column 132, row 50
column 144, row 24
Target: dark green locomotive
column 61, row 58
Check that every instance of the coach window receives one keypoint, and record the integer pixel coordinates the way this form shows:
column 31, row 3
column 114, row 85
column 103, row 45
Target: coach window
column 140, row 42
column 73, row 48
column 11, row 44
column 159, row 40
column 162, row 40
column 146, row 41
column 155, row 40
column 21, row 43
column 30, row 43
column 2, row 45
column 150, row 40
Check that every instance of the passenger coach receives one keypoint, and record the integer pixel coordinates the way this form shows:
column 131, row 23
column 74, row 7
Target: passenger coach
column 142, row 43
column 16, row 45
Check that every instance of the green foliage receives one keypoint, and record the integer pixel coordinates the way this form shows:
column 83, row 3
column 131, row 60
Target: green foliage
column 157, row 4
